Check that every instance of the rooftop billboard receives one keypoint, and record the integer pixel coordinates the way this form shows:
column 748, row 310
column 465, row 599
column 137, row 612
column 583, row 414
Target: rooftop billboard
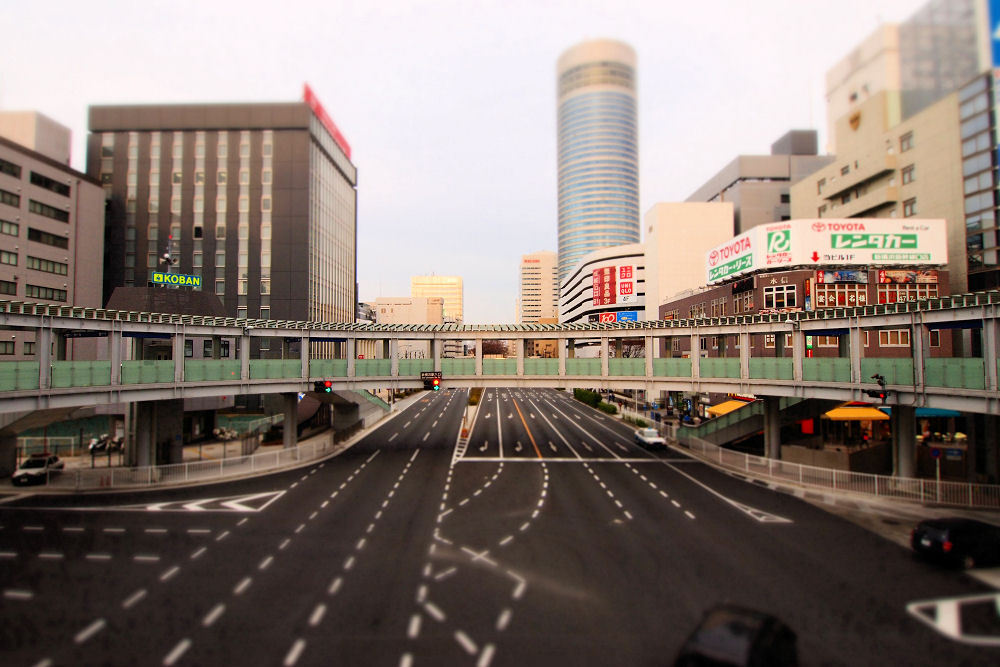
column 868, row 242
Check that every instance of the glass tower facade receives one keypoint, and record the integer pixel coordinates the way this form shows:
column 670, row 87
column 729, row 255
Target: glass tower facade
column 598, row 150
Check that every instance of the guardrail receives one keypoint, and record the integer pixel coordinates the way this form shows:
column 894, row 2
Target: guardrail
column 980, row 496
column 100, row 479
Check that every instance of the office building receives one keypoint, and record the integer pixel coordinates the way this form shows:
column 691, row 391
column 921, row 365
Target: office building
column 758, row 186
column 538, row 296
column 256, row 201
column 410, row 310
column 51, row 228
column 607, row 285
column 598, row 155
column 448, row 288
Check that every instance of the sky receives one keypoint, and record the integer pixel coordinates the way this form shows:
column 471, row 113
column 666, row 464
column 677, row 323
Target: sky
column 450, row 105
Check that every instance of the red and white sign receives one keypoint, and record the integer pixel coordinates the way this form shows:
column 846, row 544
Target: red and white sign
column 609, row 317
column 604, row 285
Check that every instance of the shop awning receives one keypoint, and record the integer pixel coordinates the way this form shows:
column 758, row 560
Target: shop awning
column 725, row 407
column 848, row 413
column 929, row 412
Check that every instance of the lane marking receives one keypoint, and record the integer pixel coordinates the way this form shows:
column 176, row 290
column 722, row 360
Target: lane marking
column 169, row 574
column 133, row 599
column 335, row 586
column 89, row 631
column 100, row 556
column 146, row 558
column 466, row 642
column 212, row 616
column 17, row 594
column 530, row 436
column 179, row 650
column 197, row 554
column 486, row 656
column 266, row 563
column 317, row 615
column 435, row 612
column 504, row 619
column 295, row 652
column 242, row 586
column 413, row 631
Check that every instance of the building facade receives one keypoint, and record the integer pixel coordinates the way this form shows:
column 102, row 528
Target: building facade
column 257, row 201
column 759, row 186
column 448, row 288
column 409, row 310
column 598, row 155
column 51, row 230
column 538, row 295
column 607, row 285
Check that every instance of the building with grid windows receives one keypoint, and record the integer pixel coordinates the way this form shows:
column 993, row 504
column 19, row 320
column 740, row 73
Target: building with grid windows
column 258, row 201
column 51, row 222
column 539, row 288
column 449, row 288
column 598, row 155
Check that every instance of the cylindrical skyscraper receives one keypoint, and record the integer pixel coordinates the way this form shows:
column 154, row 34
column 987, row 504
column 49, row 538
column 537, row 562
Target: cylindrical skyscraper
column 598, row 150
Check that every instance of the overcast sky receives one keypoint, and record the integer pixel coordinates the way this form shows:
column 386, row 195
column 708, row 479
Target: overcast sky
column 449, row 105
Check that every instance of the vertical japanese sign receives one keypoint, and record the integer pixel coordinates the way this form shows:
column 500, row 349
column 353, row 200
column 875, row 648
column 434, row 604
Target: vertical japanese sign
column 604, row 286
column 626, row 284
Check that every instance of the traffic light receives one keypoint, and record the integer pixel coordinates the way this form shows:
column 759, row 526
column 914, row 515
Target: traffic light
column 323, row 386
column 431, row 380
column 881, row 394
column 436, row 384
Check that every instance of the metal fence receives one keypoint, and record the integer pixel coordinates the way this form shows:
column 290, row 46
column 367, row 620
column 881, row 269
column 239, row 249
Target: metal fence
column 90, row 479
column 985, row 496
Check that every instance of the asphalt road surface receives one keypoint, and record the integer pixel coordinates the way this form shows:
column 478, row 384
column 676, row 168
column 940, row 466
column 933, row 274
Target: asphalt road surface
column 546, row 538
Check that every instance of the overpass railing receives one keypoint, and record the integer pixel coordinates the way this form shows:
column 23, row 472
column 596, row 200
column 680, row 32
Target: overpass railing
column 924, row 491
column 194, row 472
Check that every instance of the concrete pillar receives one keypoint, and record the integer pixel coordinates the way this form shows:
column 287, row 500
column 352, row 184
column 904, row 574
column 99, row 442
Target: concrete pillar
column 903, row 423
column 144, row 423
column 855, row 349
column 571, row 348
column 177, row 352
column 744, row 355
column 8, row 453
column 290, row 427
column 216, row 347
column 43, row 348
column 115, row 355
column 619, row 344
column 991, row 352
column 604, row 357
column 519, row 344
column 304, row 356
column 695, row 356
column 798, row 353
column 245, row 355
column 561, row 346
column 386, row 352
column 437, row 346
column 352, row 353
column 772, row 427
column 393, row 357
column 920, row 345
column 60, row 341
column 479, row 356
column 649, row 356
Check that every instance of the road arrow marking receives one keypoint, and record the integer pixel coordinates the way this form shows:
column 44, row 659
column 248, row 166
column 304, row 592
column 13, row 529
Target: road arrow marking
column 946, row 615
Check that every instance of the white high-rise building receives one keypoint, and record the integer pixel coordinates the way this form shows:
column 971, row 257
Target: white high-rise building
column 538, row 298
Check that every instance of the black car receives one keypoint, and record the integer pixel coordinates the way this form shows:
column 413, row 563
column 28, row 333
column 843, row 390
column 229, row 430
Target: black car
column 957, row 541
column 740, row 637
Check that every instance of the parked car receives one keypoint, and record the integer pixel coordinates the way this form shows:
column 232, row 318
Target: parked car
column 738, row 636
column 36, row 468
column 957, row 541
column 649, row 437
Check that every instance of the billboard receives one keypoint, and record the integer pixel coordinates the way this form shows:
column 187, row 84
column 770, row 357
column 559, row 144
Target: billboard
column 861, row 242
column 614, row 284
column 175, row 279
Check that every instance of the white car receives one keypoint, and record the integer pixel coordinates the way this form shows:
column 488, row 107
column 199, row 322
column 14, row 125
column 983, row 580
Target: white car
column 36, row 468
column 649, row 437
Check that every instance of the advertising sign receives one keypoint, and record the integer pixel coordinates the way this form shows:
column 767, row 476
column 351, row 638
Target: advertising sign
column 626, row 284
column 832, row 277
column 176, row 279
column 901, row 277
column 628, row 316
column 604, row 286
column 608, row 317
column 860, row 242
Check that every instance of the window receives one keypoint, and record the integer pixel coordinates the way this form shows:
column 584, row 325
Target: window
column 906, row 142
column 265, row 203
column 265, row 313
column 897, row 293
column 8, row 287
column 244, row 177
column 199, row 177
column 935, row 337
column 9, row 198
column 39, row 292
column 38, row 236
column 785, row 198
column 820, row 184
column 7, row 257
column 845, row 170
column 177, row 177
column 910, row 208
column 220, row 259
column 894, row 338
column 908, row 174
column 779, row 296
column 220, row 204
column 266, row 176
column 220, row 177
column 47, row 265
column 29, row 348
column 9, row 228
column 7, row 347
column 10, row 169
column 845, row 198
column 49, row 184
column 189, row 348
column 220, row 231
column 743, row 302
column 196, row 260
column 769, row 340
column 841, row 294
column 220, row 287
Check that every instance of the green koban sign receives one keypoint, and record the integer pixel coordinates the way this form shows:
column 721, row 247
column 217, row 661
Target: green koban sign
column 729, row 268
column 176, row 279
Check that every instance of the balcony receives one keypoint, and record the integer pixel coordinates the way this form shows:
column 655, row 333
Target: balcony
column 867, row 171
column 867, row 203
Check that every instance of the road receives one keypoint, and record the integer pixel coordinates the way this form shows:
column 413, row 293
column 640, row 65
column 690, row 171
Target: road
column 546, row 538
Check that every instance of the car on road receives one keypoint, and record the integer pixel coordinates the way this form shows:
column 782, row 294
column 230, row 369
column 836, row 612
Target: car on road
column 729, row 634
column 957, row 541
column 36, row 469
column 649, row 437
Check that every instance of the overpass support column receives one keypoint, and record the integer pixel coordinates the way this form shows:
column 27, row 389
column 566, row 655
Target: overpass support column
column 904, row 440
column 115, row 355
column 144, row 423
column 352, row 353
column 394, row 356
column 245, row 355
column 479, row 355
column 561, row 346
column 744, row 339
column 648, row 340
column 798, row 353
column 772, row 427
column 304, row 356
column 436, row 347
column 8, row 453
column 604, row 357
column 177, row 351
column 60, row 340
column 695, row 355
column 43, row 346
column 920, row 343
column 519, row 344
column 856, row 350
column 290, row 427
column 991, row 349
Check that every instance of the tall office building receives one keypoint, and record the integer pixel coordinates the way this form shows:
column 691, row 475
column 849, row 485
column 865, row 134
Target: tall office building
column 51, row 222
column 448, row 288
column 598, row 150
column 539, row 293
column 259, row 201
